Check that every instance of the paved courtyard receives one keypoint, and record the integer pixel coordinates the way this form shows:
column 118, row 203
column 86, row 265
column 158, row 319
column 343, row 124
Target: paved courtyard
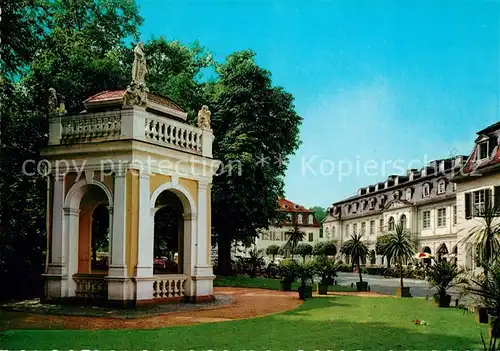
column 418, row 288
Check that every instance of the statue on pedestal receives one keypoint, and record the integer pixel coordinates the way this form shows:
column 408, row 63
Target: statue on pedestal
column 136, row 93
column 204, row 117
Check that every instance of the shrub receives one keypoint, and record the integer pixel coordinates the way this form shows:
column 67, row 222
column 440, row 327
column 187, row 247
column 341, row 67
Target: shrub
column 327, row 248
column 288, row 270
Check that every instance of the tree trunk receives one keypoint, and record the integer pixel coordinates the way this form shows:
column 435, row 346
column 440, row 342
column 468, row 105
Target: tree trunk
column 359, row 270
column 401, row 272
column 388, row 262
column 224, row 257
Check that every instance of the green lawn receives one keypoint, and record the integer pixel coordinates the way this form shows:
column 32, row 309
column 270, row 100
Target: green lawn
column 265, row 283
column 334, row 323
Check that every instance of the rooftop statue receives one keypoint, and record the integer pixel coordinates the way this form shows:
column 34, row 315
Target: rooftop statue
column 204, row 117
column 137, row 90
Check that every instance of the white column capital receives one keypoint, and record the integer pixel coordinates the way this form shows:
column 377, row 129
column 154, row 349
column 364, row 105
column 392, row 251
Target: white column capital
column 71, row 211
column 203, row 184
column 120, row 172
column 189, row 216
column 59, row 177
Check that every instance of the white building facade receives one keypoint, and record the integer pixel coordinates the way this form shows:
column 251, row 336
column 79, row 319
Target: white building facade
column 424, row 201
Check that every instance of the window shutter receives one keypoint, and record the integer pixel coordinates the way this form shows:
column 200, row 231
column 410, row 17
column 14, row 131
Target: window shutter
column 487, row 199
column 468, row 206
column 497, row 197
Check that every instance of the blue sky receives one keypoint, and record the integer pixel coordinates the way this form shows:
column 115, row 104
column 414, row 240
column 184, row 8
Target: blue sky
column 388, row 84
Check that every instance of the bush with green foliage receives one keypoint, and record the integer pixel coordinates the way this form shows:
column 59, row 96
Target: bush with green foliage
column 304, row 250
column 288, row 270
column 305, row 272
column 273, row 250
column 326, row 269
column 327, row 248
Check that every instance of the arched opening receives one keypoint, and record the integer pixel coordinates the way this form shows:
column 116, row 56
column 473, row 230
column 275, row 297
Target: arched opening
column 442, row 252
column 168, row 234
column 93, row 231
column 427, row 249
column 402, row 221
column 100, row 239
column 391, row 223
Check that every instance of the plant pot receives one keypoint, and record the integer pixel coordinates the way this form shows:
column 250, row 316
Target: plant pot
column 494, row 327
column 305, row 291
column 442, row 300
column 362, row 286
column 481, row 315
column 403, row 292
column 322, row 289
column 286, row 285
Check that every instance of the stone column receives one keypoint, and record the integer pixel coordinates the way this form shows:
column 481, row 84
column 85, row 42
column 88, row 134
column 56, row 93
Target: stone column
column 118, row 266
column 119, row 289
column 72, row 224
column 203, row 275
column 56, row 277
column 145, row 254
column 189, row 254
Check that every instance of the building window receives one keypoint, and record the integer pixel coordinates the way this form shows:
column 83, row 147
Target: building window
column 355, row 228
column 426, row 190
column 454, row 186
column 455, row 215
column 381, row 226
column 478, row 201
column 288, row 217
column 441, row 187
column 426, row 217
column 320, row 233
column 363, row 228
column 402, row 220
column 333, row 232
column 482, row 150
column 372, row 227
column 373, row 202
column 441, row 217
column 299, row 218
column 347, row 229
column 408, row 194
column 391, row 223
column 311, row 236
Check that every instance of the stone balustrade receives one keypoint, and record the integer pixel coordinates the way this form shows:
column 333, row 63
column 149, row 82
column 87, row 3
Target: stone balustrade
column 169, row 286
column 91, row 286
column 131, row 123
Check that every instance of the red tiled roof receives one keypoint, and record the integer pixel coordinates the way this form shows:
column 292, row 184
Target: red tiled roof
column 107, row 95
column 288, row 206
column 119, row 94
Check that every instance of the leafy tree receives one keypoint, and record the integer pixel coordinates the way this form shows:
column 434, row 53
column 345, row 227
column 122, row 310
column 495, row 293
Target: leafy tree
column 356, row 249
column 295, row 235
column 325, row 248
column 304, row 250
column 175, row 71
column 380, row 248
column 272, row 250
column 319, row 213
column 246, row 107
column 24, row 24
column 400, row 246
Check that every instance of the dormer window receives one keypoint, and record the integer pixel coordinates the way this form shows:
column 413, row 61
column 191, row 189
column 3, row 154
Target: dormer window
column 288, row 217
column 311, row 219
column 373, row 201
column 408, row 193
column 426, row 190
column 365, row 205
column 299, row 218
column 441, row 187
column 482, row 150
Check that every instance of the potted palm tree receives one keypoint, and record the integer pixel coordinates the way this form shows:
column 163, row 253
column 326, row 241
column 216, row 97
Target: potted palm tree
column 442, row 276
column 357, row 250
column 287, row 269
column 327, row 270
column 400, row 246
column 487, row 289
column 305, row 274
